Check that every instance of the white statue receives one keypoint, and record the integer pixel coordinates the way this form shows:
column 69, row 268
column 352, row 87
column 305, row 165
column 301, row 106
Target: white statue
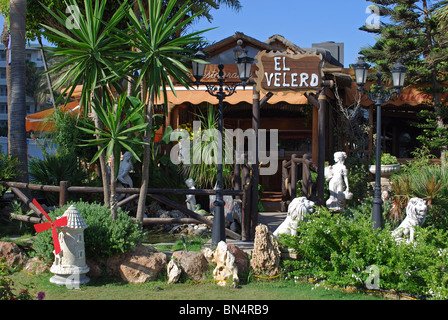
column 337, row 174
column 123, row 171
column 191, row 199
column 415, row 216
column 124, row 179
column 297, row 210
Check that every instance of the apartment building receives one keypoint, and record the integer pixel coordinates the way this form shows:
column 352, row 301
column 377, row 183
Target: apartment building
column 32, row 54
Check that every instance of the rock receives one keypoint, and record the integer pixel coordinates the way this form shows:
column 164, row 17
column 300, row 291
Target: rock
column 12, row 253
column 226, row 267
column 266, row 254
column 139, row 265
column 36, row 266
column 174, row 271
column 194, row 264
column 241, row 258
column 96, row 268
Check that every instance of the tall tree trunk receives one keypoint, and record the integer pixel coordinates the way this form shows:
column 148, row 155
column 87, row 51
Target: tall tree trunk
column 105, row 176
column 113, row 188
column 16, row 98
column 113, row 182
column 146, row 159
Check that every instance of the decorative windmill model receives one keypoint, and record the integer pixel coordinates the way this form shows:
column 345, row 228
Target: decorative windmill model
column 69, row 266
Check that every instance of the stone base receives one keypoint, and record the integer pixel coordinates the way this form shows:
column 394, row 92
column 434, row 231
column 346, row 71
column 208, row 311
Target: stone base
column 71, row 281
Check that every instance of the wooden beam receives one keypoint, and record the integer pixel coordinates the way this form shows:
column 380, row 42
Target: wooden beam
column 26, row 200
column 148, row 221
column 315, row 135
column 39, row 187
column 192, row 214
column 21, row 217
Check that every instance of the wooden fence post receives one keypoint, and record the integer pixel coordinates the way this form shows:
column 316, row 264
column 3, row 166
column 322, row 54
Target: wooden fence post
column 294, row 177
column 284, row 202
column 307, row 181
column 246, row 212
column 63, row 192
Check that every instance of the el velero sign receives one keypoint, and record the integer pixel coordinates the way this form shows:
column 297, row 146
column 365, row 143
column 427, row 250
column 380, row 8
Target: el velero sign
column 280, row 72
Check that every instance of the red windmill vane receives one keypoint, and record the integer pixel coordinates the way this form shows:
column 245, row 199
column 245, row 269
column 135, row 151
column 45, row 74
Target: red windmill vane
column 53, row 225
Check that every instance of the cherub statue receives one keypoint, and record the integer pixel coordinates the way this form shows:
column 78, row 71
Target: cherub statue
column 337, row 174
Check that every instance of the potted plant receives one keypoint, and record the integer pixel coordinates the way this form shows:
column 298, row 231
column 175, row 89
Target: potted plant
column 389, row 165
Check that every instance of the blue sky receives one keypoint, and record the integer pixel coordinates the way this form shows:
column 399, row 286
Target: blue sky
column 302, row 22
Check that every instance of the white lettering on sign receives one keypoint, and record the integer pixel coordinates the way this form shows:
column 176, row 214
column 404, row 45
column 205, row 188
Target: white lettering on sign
column 289, row 80
column 283, row 72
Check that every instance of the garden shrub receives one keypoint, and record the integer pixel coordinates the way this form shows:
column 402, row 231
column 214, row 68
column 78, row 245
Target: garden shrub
column 103, row 238
column 56, row 168
column 8, row 168
column 419, row 178
column 339, row 248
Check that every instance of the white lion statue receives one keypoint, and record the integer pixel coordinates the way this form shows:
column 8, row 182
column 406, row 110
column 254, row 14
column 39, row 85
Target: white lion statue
column 297, row 210
column 415, row 216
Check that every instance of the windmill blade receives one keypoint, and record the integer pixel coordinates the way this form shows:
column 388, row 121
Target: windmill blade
column 61, row 222
column 57, row 246
column 42, row 226
column 41, row 209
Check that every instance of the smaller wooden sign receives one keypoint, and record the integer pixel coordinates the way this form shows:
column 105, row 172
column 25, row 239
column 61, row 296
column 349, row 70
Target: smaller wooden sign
column 281, row 72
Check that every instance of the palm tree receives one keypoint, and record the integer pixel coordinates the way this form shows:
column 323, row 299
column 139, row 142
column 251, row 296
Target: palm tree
column 16, row 97
column 159, row 56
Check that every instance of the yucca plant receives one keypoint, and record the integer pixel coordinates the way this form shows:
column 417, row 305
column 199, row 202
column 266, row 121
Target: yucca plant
column 428, row 182
column 93, row 55
column 116, row 136
column 160, row 56
column 204, row 173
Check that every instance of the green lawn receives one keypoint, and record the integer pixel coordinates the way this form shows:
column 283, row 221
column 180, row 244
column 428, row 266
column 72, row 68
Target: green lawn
column 114, row 289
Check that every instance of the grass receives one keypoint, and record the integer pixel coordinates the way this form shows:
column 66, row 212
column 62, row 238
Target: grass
column 192, row 244
column 108, row 288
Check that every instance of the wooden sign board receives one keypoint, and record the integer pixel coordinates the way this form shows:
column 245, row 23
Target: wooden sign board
column 280, row 72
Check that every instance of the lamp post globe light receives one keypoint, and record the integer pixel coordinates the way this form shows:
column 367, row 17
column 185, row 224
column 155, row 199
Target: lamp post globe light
column 221, row 90
column 379, row 95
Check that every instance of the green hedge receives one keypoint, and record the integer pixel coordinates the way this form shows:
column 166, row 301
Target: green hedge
column 103, row 238
column 338, row 250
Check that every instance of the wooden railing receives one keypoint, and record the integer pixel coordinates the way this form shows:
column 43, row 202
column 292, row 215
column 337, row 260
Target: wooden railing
column 290, row 177
column 64, row 189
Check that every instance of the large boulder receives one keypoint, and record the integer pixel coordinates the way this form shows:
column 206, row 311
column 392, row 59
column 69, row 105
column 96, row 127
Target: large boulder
column 266, row 254
column 141, row 264
column 12, row 253
column 193, row 264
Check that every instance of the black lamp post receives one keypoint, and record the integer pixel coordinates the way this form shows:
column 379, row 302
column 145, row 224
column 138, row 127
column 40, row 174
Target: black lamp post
column 221, row 90
column 379, row 95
